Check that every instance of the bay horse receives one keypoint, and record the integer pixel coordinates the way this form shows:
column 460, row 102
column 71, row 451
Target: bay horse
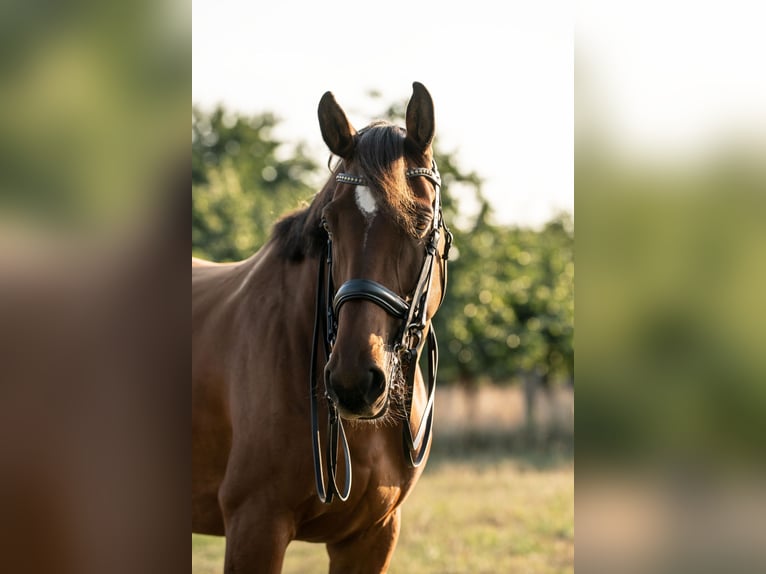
column 281, row 358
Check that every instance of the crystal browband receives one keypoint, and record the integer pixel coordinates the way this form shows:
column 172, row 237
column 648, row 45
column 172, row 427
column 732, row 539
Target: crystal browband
column 348, row 178
column 412, row 172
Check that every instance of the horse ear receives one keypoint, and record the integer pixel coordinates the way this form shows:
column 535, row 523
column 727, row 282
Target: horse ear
column 420, row 118
column 337, row 132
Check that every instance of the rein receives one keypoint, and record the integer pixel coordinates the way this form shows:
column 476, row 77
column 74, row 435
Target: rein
column 407, row 350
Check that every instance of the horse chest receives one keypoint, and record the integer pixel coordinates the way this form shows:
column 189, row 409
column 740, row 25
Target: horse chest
column 337, row 521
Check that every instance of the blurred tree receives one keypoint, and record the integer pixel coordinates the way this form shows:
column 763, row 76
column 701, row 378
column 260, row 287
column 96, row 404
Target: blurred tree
column 510, row 307
column 240, row 186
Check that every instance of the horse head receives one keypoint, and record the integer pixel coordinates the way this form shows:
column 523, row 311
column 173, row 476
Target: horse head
column 386, row 254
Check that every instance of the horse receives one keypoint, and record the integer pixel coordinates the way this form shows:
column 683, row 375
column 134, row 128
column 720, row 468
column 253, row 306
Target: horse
column 281, row 358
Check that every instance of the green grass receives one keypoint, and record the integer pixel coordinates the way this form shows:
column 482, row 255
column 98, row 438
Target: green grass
column 472, row 516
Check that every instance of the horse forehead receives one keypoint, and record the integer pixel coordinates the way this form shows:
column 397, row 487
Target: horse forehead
column 360, row 203
column 366, row 201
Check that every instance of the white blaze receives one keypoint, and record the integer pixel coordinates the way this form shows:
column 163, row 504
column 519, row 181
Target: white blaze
column 366, row 201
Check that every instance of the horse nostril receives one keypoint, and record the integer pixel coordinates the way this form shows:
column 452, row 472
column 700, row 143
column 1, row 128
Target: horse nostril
column 377, row 385
column 356, row 392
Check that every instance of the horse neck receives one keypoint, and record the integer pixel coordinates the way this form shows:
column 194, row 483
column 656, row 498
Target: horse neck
column 277, row 298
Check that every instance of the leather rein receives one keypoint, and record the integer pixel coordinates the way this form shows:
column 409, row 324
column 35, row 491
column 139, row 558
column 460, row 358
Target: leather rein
column 407, row 349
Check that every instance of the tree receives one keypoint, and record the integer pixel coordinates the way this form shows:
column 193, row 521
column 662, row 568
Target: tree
column 240, row 186
column 509, row 307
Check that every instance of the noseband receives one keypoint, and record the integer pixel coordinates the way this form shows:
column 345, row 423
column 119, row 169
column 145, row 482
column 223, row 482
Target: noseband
column 407, row 349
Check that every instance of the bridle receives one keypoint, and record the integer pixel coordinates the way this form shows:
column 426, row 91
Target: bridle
column 408, row 344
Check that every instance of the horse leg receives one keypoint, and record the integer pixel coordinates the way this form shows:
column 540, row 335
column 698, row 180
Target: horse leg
column 368, row 552
column 256, row 540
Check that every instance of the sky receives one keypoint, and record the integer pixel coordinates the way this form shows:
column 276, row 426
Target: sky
column 674, row 79
column 501, row 76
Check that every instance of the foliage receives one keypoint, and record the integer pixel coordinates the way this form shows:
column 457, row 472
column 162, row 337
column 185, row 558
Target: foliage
column 673, row 348
column 509, row 308
column 510, row 303
column 240, row 186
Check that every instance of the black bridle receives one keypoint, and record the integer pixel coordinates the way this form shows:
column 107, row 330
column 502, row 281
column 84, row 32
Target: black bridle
column 408, row 344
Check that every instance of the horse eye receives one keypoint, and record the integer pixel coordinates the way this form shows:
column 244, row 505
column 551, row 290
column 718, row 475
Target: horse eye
column 422, row 225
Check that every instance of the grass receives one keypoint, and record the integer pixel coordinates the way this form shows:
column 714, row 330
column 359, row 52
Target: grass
column 491, row 517
column 489, row 501
column 463, row 517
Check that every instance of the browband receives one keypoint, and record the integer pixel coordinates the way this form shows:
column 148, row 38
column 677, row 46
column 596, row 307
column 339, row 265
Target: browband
column 431, row 174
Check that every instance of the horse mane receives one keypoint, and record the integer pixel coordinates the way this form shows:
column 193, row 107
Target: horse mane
column 379, row 154
column 300, row 234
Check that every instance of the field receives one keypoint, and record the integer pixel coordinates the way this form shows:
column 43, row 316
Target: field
column 487, row 502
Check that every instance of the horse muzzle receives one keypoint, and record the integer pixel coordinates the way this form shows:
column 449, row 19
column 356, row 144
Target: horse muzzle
column 359, row 393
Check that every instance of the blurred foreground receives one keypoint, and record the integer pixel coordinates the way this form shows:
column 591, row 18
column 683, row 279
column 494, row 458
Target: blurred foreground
column 671, row 420
column 670, row 364
column 94, row 176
